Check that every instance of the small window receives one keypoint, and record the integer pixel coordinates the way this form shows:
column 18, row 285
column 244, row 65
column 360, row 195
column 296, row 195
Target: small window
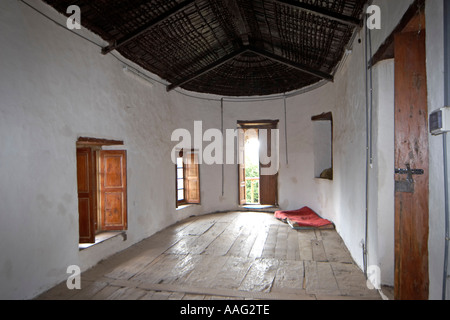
column 323, row 146
column 187, row 178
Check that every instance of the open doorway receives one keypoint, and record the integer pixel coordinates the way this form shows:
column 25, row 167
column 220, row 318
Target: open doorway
column 257, row 144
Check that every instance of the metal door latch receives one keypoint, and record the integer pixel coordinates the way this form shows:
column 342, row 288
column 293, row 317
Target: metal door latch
column 408, row 170
column 407, row 185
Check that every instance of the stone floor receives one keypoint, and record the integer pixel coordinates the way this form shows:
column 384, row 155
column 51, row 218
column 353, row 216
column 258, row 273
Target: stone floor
column 236, row 255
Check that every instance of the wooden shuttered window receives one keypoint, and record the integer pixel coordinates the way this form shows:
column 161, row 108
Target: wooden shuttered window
column 187, row 178
column 192, row 179
column 113, row 190
column 86, row 194
column 102, row 191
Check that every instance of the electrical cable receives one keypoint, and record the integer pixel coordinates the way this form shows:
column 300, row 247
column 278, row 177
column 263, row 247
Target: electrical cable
column 286, row 130
column 445, row 149
column 223, row 146
column 369, row 136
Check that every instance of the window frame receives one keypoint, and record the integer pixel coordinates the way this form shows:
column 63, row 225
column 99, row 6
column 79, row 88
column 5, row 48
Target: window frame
column 97, row 225
column 268, row 185
column 180, row 202
column 326, row 117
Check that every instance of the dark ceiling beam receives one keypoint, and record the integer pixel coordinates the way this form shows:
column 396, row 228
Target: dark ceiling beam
column 206, row 69
column 321, row 12
column 255, row 50
column 242, row 26
column 291, row 64
column 120, row 42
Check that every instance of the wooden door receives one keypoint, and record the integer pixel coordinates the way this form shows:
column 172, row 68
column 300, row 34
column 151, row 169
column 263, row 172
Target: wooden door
column 411, row 152
column 113, row 190
column 87, row 206
column 241, row 167
column 268, row 184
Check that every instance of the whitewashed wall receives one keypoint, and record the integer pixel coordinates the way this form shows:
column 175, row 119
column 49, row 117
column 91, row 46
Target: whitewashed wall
column 435, row 70
column 56, row 87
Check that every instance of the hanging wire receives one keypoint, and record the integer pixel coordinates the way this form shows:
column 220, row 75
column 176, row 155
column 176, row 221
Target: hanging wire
column 368, row 152
column 223, row 147
column 286, row 130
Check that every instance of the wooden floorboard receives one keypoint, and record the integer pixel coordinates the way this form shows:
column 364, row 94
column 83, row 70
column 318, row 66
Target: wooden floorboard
column 236, row 255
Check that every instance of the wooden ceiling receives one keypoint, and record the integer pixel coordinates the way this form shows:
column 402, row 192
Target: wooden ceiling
column 226, row 47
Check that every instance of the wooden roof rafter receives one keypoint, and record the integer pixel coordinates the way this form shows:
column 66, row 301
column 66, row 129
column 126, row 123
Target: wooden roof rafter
column 131, row 36
column 317, row 10
column 255, row 50
column 226, row 47
column 289, row 63
column 206, row 69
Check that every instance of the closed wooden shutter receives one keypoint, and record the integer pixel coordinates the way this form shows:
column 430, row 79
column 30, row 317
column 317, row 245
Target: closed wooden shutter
column 113, row 190
column 268, row 184
column 192, row 179
column 86, row 194
column 241, row 167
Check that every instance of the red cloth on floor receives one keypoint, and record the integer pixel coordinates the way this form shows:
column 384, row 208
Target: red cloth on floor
column 304, row 217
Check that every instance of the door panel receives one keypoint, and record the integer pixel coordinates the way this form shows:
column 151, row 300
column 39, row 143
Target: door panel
column 192, row 179
column 113, row 190
column 268, row 183
column 411, row 152
column 241, row 166
column 86, row 194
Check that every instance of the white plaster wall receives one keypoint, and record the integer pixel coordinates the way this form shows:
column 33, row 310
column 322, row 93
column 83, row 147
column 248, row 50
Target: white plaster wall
column 435, row 70
column 55, row 87
column 382, row 194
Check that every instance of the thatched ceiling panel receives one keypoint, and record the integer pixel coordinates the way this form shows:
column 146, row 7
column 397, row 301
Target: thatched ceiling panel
column 226, row 47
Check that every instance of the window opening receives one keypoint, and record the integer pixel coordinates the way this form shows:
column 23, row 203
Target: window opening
column 323, row 146
column 102, row 189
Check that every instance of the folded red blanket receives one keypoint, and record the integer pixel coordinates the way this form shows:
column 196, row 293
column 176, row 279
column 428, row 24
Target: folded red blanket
column 304, row 217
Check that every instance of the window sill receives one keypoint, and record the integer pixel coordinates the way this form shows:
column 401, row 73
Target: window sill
column 102, row 237
column 257, row 206
column 323, row 179
column 185, row 206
